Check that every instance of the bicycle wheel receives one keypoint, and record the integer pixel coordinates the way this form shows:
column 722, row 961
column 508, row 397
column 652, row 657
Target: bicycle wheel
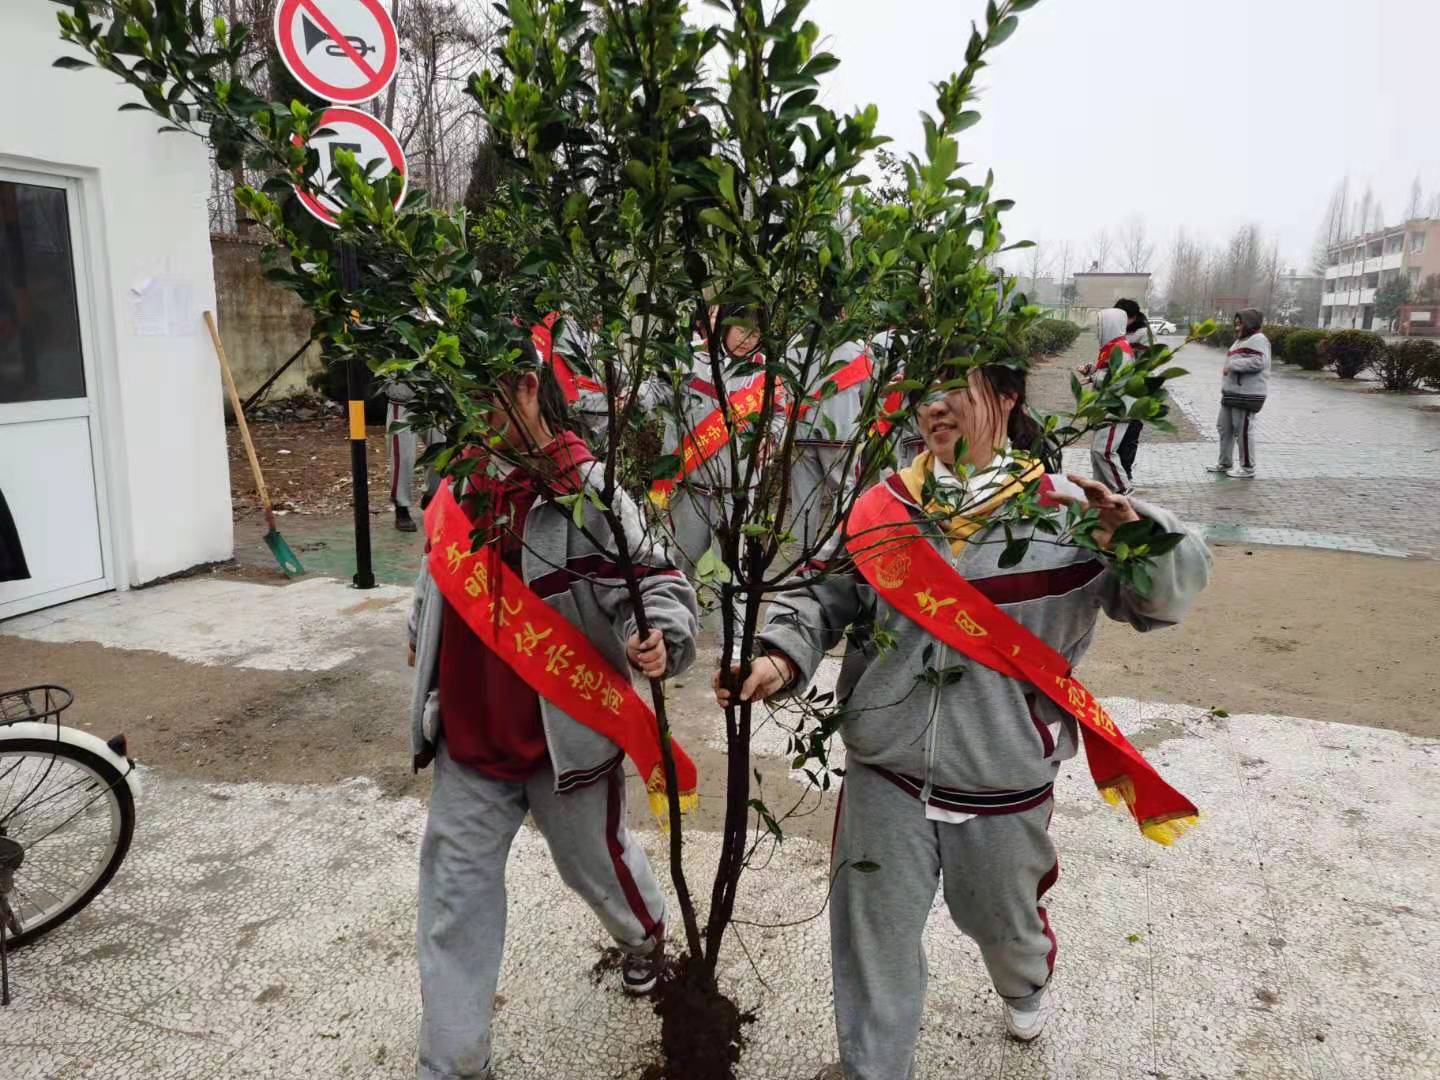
column 73, row 815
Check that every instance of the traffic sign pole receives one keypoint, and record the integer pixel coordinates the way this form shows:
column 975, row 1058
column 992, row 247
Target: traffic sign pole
column 345, row 51
column 355, row 382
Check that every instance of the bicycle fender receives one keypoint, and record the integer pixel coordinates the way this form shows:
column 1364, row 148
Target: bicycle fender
column 27, row 729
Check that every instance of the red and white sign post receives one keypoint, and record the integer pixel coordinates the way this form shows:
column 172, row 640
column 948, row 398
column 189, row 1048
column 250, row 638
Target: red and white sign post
column 345, row 51
column 341, row 128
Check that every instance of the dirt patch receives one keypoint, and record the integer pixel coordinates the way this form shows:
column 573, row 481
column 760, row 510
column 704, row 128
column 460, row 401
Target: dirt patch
column 1357, row 639
column 306, row 463
column 231, row 724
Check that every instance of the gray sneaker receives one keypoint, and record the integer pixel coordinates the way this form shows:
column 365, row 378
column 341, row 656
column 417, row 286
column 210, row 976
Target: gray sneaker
column 639, row 974
column 1242, row 474
column 1217, row 468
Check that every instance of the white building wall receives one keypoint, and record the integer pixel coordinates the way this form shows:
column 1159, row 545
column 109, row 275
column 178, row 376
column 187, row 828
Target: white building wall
column 167, row 475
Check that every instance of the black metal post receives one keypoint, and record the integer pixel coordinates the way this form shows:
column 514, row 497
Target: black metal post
column 355, row 379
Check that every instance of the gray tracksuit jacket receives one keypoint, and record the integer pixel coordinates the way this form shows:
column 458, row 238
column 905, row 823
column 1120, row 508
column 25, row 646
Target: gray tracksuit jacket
column 582, row 582
column 987, row 743
column 841, row 408
column 1249, row 364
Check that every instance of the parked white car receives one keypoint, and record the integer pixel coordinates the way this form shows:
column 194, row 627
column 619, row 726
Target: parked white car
column 1159, row 327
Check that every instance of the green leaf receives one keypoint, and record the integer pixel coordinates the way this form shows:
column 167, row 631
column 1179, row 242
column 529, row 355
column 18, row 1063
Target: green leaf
column 665, row 467
column 1014, row 552
column 865, row 866
column 70, row 63
column 717, row 218
column 1007, row 27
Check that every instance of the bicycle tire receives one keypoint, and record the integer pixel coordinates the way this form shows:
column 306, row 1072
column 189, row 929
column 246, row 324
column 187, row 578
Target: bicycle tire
column 125, row 799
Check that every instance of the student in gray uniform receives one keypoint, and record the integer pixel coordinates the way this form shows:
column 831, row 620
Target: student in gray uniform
column 1137, row 333
column 697, row 505
column 501, row 750
column 1245, row 383
column 953, row 781
column 824, row 463
column 404, row 445
column 1106, row 439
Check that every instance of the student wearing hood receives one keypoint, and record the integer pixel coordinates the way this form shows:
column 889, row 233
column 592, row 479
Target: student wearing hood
column 1105, row 441
column 1245, row 381
column 1137, row 333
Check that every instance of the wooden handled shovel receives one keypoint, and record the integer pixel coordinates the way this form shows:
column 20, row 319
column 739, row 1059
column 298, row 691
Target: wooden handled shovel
column 273, row 540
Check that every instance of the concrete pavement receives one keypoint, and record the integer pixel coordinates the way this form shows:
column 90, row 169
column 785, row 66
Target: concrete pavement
column 1339, row 466
column 266, row 931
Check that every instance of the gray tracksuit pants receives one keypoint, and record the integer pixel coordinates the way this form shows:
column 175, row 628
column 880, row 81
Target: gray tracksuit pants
column 995, row 868
column 817, row 481
column 1105, row 455
column 693, row 516
column 1236, row 426
column 461, row 924
column 404, row 447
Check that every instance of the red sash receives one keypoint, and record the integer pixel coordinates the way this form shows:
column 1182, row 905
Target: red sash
column 543, row 337
column 547, row 650
column 902, row 566
column 710, row 435
column 1109, row 347
column 856, row 371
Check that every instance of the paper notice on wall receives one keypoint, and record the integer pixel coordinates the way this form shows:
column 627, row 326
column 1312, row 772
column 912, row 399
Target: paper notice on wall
column 163, row 309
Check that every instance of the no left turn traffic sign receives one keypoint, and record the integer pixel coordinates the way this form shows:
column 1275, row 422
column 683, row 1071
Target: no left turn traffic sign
column 342, row 50
column 367, row 138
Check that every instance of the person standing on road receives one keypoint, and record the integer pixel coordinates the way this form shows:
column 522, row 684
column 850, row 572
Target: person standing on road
column 955, row 783
column 403, row 444
column 1106, row 439
column 1245, row 381
column 1137, row 333
column 523, row 703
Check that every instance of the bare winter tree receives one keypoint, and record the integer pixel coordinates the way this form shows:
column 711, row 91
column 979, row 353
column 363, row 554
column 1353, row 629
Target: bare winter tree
column 1101, row 245
column 1035, row 266
column 1065, row 260
column 1415, row 207
column 1136, row 250
column 1186, row 282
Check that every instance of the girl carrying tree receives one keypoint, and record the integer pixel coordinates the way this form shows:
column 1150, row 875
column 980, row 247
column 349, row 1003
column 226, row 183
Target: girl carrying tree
column 951, row 770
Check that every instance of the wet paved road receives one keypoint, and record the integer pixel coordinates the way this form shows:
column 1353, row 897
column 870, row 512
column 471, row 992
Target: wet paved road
column 1338, row 467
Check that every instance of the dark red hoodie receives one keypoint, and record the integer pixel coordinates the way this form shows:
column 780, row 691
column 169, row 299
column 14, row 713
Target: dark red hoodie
column 491, row 716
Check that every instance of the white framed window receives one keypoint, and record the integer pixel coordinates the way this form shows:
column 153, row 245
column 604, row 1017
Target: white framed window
column 1417, row 243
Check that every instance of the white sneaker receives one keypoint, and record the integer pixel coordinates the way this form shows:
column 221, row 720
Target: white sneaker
column 1028, row 1025
column 1217, row 468
column 1242, row 474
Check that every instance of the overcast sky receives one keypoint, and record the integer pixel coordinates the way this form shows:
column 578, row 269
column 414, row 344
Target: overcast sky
column 1204, row 114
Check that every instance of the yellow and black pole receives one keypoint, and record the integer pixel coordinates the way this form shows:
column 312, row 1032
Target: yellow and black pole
column 355, row 381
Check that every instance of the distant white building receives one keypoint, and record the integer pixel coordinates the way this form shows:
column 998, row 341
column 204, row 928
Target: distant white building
column 1094, row 289
column 112, row 439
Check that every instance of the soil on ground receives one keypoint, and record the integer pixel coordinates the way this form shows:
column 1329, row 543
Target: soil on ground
column 304, row 451
column 1325, row 635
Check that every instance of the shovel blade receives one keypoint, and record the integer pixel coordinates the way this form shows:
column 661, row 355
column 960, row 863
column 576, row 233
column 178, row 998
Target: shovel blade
column 288, row 560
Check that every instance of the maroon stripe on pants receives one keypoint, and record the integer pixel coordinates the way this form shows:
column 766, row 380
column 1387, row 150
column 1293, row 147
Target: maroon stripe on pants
column 617, row 855
column 1051, row 876
column 1118, row 484
column 1245, row 441
column 835, row 829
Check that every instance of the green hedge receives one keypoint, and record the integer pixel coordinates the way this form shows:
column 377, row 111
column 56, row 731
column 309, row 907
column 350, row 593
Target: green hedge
column 1045, row 337
column 1404, row 365
column 1303, row 348
column 1223, row 337
column 1350, row 352
column 1276, row 335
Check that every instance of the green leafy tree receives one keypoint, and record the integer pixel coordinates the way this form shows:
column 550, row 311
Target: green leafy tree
column 1391, row 296
column 641, row 170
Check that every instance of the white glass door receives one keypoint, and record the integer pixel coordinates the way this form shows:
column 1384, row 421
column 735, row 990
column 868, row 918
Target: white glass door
column 49, row 437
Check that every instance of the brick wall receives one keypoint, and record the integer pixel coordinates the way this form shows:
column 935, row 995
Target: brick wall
column 260, row 322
